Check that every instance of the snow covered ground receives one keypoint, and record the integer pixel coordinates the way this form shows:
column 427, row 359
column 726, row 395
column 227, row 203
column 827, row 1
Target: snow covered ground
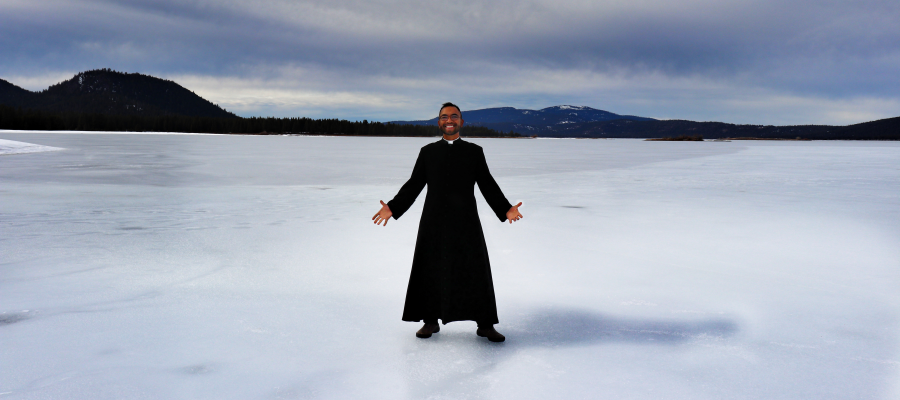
column 10, row 147
column 242, row 267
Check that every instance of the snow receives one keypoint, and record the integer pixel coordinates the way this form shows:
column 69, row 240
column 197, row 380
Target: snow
column 14, row 132
column 243, row 267
column 9, row 147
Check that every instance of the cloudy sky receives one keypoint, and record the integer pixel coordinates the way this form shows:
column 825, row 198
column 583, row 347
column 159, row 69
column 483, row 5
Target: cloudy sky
column 753, row 61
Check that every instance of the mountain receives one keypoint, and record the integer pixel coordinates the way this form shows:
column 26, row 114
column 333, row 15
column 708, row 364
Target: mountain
column 109, row 92
column 884, row 129
column 532, row 121
column 586, row 122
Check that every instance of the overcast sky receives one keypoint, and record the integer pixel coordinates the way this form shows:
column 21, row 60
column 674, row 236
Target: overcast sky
column 756, row 62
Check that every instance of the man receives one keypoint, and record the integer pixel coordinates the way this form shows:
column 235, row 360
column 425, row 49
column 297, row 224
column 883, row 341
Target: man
column 451, row 273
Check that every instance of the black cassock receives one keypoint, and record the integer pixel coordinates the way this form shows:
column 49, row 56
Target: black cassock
column 451, row 273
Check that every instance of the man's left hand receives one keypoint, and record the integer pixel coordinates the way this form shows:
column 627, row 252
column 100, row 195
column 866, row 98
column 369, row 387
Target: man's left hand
column 513, row 214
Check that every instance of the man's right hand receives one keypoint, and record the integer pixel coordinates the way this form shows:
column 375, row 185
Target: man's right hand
column 383, row 215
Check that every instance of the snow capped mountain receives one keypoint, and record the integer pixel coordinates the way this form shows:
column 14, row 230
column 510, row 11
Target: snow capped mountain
column 567, row 108
column 586, row 122
column 533, row 121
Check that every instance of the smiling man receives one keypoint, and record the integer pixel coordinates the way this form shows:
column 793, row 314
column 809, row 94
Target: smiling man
column 451, row 274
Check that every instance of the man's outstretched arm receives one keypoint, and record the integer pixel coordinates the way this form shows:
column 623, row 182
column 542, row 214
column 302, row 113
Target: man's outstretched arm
column 384, row 214
column 406, row 196
column 504, row 210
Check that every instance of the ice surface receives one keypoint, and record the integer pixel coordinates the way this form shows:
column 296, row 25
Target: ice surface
column 242, row 267
column 9, row 147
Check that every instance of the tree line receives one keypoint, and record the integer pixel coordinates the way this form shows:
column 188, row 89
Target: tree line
column 883, row 129
column 26, row 119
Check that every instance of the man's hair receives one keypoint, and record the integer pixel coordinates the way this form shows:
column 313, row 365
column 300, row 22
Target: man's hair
column 449, row 104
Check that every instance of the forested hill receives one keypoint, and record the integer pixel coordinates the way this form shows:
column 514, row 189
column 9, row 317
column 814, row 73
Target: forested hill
column 107, row 100
column 13, row 95
column 108, row 92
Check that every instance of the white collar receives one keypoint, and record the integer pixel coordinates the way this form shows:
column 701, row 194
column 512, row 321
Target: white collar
column 450, row 141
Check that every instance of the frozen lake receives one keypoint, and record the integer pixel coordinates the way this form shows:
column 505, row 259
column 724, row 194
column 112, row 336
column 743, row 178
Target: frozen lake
column 239, row 267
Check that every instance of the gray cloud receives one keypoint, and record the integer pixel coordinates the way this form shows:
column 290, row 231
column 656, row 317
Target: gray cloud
column 707, row 60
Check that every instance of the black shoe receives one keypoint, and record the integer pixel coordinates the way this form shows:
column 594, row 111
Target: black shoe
column 491, row 334
column 427, row 330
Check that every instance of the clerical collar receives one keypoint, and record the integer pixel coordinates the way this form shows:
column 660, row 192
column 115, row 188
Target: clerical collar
column 451, row 141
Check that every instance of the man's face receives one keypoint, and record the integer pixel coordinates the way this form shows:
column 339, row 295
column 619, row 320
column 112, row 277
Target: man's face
column 449, row 121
